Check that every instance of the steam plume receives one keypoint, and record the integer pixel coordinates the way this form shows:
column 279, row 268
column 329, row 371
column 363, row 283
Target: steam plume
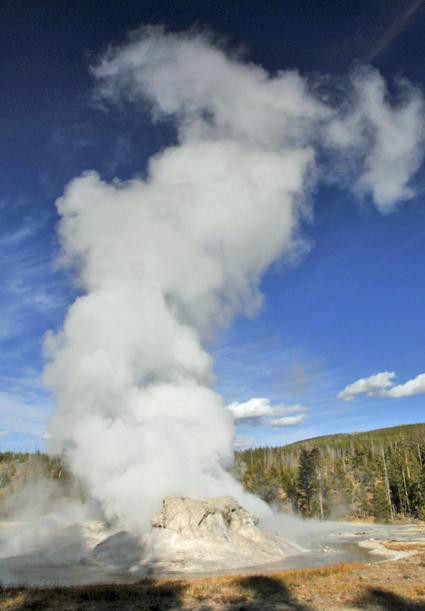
column 164, row 261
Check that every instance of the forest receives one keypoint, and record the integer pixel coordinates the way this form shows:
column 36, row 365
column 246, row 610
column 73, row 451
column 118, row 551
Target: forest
column 379, row 474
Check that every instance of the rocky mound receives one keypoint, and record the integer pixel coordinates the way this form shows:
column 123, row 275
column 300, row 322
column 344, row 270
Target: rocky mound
column 192, row 536
column 201, row 518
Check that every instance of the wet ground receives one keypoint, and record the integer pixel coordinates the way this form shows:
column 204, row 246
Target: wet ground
column 61, row 557
column 342, row 542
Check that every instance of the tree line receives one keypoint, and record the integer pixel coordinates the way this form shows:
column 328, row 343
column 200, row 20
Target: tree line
column 380, row 473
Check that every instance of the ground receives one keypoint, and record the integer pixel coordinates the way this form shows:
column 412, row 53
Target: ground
column 381, row 586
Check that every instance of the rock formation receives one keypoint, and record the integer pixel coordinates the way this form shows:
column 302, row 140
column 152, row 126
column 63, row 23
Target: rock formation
column 199, row 518
column 198, row 536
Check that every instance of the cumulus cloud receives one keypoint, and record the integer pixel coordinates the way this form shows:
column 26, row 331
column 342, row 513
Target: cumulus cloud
column 382, row 385
column 371, row 385
column 258, row 410
column 164, row 261
column 257, row 407
column 416, row 386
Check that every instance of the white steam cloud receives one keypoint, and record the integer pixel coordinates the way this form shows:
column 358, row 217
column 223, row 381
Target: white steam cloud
column 387, row 138
column 164, row 261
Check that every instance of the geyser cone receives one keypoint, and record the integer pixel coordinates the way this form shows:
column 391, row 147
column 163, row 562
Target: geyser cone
column 197, row 535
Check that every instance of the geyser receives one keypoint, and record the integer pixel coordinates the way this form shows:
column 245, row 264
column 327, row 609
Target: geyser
column 165, row 260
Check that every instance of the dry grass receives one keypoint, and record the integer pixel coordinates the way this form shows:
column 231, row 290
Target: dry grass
column 390, row 585
column 406, row 546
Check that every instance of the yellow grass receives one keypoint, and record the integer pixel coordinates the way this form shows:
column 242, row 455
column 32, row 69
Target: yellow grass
column 389, row 585
column 406, row 546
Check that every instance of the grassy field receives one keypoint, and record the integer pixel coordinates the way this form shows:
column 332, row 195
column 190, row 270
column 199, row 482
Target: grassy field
column 389, row 585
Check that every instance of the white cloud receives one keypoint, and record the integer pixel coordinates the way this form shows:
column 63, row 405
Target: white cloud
column 258, row 410
column 371, row 385
column 288, row 421
column 412, row 387
column 382, row 385
column 254, row 408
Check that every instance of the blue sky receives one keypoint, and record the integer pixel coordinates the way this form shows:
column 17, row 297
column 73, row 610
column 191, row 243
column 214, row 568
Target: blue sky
column 350, row 307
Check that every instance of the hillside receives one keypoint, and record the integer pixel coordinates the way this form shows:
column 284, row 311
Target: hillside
column 379, row 473
column 387, row 434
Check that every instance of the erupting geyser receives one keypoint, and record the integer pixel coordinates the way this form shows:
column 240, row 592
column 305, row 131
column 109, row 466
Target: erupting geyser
column 162, row 261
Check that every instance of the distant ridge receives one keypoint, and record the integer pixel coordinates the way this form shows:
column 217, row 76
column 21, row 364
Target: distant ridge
column 389, row 432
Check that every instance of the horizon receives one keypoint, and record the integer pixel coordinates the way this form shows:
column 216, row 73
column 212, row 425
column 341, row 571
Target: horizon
column 237, row 450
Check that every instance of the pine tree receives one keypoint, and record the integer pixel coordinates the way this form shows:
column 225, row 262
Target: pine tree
column 308, row 481
column 381, row 508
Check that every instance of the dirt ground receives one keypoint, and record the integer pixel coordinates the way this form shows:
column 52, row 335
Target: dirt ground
column 387, row 585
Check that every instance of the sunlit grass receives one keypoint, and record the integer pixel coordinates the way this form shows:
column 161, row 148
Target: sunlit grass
column 328, row 587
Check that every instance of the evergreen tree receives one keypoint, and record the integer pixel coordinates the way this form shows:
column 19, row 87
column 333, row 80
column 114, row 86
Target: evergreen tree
column 308, row 481
column 380, row 505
